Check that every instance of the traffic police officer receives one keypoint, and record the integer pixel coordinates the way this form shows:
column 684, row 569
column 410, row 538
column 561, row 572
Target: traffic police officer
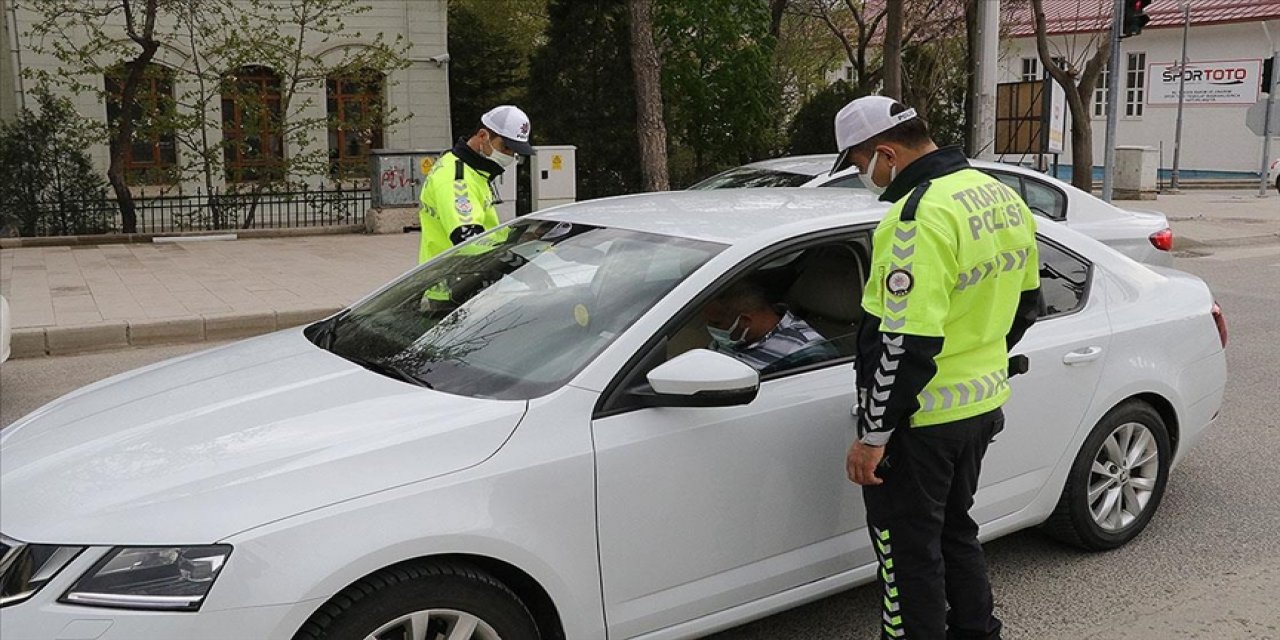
column 458, row 196
column 954, row 284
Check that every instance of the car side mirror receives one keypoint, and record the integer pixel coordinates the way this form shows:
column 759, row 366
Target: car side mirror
column 700, row 378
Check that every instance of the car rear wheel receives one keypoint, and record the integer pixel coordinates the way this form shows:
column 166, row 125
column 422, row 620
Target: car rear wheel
column 436, row 601
column 1116, row 481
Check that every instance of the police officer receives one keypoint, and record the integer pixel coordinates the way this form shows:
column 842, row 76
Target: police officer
column 954, row 284
column 458, row 196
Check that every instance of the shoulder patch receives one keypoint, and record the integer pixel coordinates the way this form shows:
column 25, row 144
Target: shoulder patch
column 899, row 282
column 463, row 205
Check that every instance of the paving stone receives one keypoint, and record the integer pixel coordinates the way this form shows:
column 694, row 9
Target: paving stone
column 27, row 343
column 184, row 329
column 93, row 337
column 223, row 326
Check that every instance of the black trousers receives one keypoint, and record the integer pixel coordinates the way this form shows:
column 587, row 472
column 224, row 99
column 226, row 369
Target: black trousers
column 932, row 569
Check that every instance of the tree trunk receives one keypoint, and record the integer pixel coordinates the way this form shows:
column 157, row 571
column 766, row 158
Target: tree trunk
column 122, row 137
column 650, row 127
column 893, row 49
column 1079, row 89
column 972, row 44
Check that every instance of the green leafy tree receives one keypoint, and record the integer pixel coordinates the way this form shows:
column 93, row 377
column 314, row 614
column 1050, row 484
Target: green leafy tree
column 485, row 68
column 813, row 128
column 581, row 93
column 50, row 186
column 722, row 97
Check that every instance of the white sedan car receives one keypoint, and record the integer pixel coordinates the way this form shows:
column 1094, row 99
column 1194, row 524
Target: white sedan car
column 542, row 446
column 1273, row 175
column 1144, row 236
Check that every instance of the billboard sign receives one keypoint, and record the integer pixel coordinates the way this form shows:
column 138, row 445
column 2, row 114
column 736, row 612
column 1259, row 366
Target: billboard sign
column 1208, row 83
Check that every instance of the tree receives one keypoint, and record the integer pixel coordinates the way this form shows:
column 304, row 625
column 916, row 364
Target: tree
column 50, row 186
column 1077, row 72
column 893, row 49
column 581, row 92
column 484, row 68
column 650, row 126
column 722, row 98
column 813, row 128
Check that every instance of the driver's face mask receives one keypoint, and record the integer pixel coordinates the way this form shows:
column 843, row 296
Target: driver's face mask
column 724, row 337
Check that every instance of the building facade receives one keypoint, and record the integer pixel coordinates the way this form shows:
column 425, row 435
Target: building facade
column 417, row 95
column 1226, row 49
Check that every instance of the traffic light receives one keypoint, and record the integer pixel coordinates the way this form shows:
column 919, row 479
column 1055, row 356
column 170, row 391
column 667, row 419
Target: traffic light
column 1135, row 17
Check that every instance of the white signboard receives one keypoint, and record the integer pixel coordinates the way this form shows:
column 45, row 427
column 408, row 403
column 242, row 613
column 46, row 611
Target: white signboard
column 1208, row 83
column 1057, row 119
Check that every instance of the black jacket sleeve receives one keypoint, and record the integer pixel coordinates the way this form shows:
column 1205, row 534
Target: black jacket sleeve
column 893, row 369
column 1030, row 307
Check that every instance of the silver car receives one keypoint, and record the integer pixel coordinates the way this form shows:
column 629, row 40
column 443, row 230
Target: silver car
column 1144, row 236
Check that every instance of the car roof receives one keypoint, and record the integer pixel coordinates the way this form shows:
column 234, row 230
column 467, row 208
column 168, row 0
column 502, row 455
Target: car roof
column 726, row 216
column 812, row 165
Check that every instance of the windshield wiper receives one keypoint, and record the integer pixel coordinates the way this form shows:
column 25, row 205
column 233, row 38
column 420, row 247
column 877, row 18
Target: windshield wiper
column 324, row 336
column 390, row 370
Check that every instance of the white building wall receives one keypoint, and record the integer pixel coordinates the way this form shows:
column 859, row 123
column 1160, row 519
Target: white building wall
column 419, row 94
column 1214, row 137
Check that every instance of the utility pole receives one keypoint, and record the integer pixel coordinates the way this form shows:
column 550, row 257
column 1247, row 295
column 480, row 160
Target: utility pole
column 984, row 112
column 1174, row 178
column 1268, row 125
column 1113, row 102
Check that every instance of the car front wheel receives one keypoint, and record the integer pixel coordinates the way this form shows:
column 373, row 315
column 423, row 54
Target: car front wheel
column 1116, row 481
column 438, row 601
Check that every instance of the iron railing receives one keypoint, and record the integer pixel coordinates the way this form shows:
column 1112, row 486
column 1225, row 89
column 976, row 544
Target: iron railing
column 208, row 211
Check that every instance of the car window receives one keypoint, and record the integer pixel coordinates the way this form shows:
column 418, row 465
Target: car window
column 742, row 177
column 850, row 181
column 515, row 313
column 1009, row 179
column 1064, row 279
column 1044, row 199
column 796, row 310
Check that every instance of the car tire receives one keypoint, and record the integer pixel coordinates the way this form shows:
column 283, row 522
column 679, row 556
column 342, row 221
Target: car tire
column 441, row 596
column 1125, row 495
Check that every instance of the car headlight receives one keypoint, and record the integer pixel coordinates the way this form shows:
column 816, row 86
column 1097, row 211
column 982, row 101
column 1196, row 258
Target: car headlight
column 164, row 578
column 25, row 568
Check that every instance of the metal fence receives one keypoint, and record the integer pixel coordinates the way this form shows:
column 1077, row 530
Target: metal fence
column 208, row 211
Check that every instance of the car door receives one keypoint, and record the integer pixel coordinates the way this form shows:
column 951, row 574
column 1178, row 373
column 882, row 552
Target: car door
column 702, row 509
column 1067, row 348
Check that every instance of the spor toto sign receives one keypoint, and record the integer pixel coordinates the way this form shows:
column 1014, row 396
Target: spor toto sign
column 1216, row 82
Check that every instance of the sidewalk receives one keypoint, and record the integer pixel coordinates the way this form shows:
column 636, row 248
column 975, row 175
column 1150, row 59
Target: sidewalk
column 84, row 298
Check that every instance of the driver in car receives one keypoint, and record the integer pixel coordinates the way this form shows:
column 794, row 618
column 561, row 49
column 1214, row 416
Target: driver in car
column 744, row 324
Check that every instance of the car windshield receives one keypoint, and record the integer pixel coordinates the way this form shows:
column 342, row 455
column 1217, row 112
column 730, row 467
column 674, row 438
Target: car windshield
column 515, row 313
column 752, row 177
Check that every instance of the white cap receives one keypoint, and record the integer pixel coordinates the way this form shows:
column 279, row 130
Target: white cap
column 863, row 119
column 512, row 124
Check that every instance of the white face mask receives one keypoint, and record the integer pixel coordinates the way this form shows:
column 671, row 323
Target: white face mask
column 503, row 160
column 869, row 182
column 724, row 337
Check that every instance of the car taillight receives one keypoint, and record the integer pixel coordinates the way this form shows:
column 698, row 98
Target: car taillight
column 1163, row 239
column 1221, row 321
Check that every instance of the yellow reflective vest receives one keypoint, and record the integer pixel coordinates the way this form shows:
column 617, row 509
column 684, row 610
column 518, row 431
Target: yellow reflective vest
column 457, row 201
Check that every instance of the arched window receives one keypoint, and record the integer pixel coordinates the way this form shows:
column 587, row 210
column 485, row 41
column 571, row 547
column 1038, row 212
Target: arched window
column 355, row 121
column 150, row 155
column 252, row 125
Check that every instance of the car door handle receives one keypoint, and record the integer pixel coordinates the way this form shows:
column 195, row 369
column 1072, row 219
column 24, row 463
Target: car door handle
column 1083, row 356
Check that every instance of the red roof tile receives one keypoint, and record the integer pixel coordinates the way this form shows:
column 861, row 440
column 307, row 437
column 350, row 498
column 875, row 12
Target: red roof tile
column 1084, row 16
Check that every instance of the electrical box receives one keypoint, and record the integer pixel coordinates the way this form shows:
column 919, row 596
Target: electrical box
column 554, row 174
column 504, row 191
column 396, row 176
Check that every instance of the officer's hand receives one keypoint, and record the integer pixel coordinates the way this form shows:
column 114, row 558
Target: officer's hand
column 862, row 462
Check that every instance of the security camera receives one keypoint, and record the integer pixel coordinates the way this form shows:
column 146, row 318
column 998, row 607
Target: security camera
column 440, row 60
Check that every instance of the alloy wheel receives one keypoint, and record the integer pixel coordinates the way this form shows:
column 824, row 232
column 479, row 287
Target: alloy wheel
column 1123, row 476
column 435, row 624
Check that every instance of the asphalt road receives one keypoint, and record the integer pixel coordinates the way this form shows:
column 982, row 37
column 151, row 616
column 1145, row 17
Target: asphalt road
column 1207, row 567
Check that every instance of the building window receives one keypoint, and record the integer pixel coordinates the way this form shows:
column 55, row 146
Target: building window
column 252, row 124
column 355, row 103
column 848, row 73
column 150, row 155
column 1030, row 69
column 1135, row 83
column 1100, row 95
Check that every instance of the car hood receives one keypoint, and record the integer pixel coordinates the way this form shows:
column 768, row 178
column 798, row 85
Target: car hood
column 196, row 449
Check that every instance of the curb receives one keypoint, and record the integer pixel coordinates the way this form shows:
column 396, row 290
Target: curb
column 35, row 342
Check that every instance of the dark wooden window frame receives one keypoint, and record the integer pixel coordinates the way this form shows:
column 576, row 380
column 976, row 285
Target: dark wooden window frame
column 159, row 148
column 246, row 160
column 365, row 91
